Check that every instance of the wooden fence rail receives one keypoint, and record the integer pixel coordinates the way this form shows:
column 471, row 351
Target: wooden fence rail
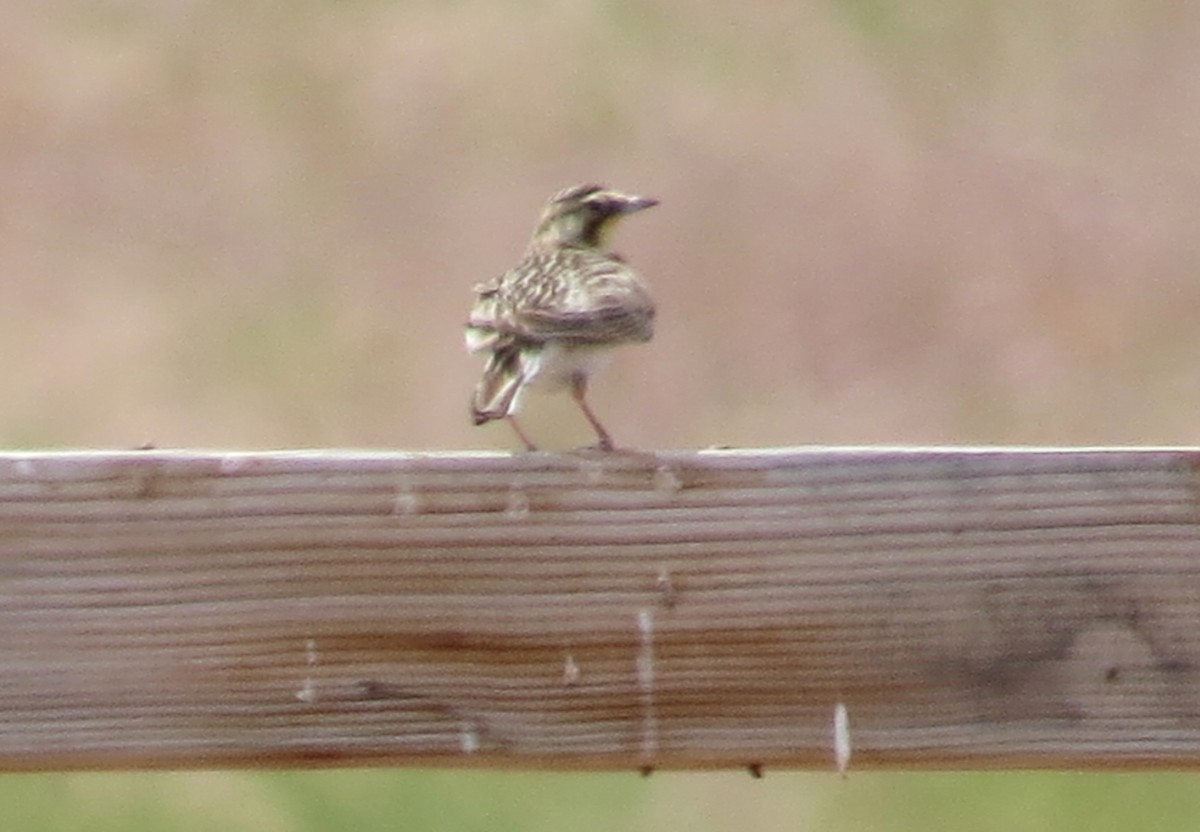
column 909, row 607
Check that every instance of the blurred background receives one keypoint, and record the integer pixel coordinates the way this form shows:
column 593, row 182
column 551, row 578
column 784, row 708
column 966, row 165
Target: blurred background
column 257, row 225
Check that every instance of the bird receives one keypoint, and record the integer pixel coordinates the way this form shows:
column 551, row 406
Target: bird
column 552, row 321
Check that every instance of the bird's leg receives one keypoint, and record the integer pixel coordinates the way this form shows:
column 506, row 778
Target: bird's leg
column 579, row 393
column 512, row 420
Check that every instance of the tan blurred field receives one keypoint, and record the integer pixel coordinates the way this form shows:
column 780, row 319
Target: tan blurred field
column 258, row 224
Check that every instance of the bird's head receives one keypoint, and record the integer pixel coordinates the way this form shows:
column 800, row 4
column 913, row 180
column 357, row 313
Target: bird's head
column 584, row 215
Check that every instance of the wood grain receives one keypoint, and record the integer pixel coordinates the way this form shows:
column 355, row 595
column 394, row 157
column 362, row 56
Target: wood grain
column 967, row 608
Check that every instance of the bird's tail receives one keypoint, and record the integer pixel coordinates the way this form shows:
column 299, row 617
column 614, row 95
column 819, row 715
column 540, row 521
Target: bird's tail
column 496, row 393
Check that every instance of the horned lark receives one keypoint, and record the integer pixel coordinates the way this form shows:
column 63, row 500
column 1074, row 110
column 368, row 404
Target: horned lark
column 552, row 320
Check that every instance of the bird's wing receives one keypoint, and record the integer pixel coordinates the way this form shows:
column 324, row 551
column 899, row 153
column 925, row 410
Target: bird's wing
column 482, row 329
column 614, row 319
column 569, row 295
column 590, row 298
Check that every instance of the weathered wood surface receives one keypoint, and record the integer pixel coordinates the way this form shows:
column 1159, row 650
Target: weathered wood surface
column 968, row 608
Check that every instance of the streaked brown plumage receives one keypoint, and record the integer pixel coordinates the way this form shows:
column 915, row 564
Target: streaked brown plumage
column 551, row 320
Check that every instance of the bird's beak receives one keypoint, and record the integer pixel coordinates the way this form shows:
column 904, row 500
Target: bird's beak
column 637, row 203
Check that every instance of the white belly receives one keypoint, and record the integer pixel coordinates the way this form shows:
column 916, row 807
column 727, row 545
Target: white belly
column 556, row 364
